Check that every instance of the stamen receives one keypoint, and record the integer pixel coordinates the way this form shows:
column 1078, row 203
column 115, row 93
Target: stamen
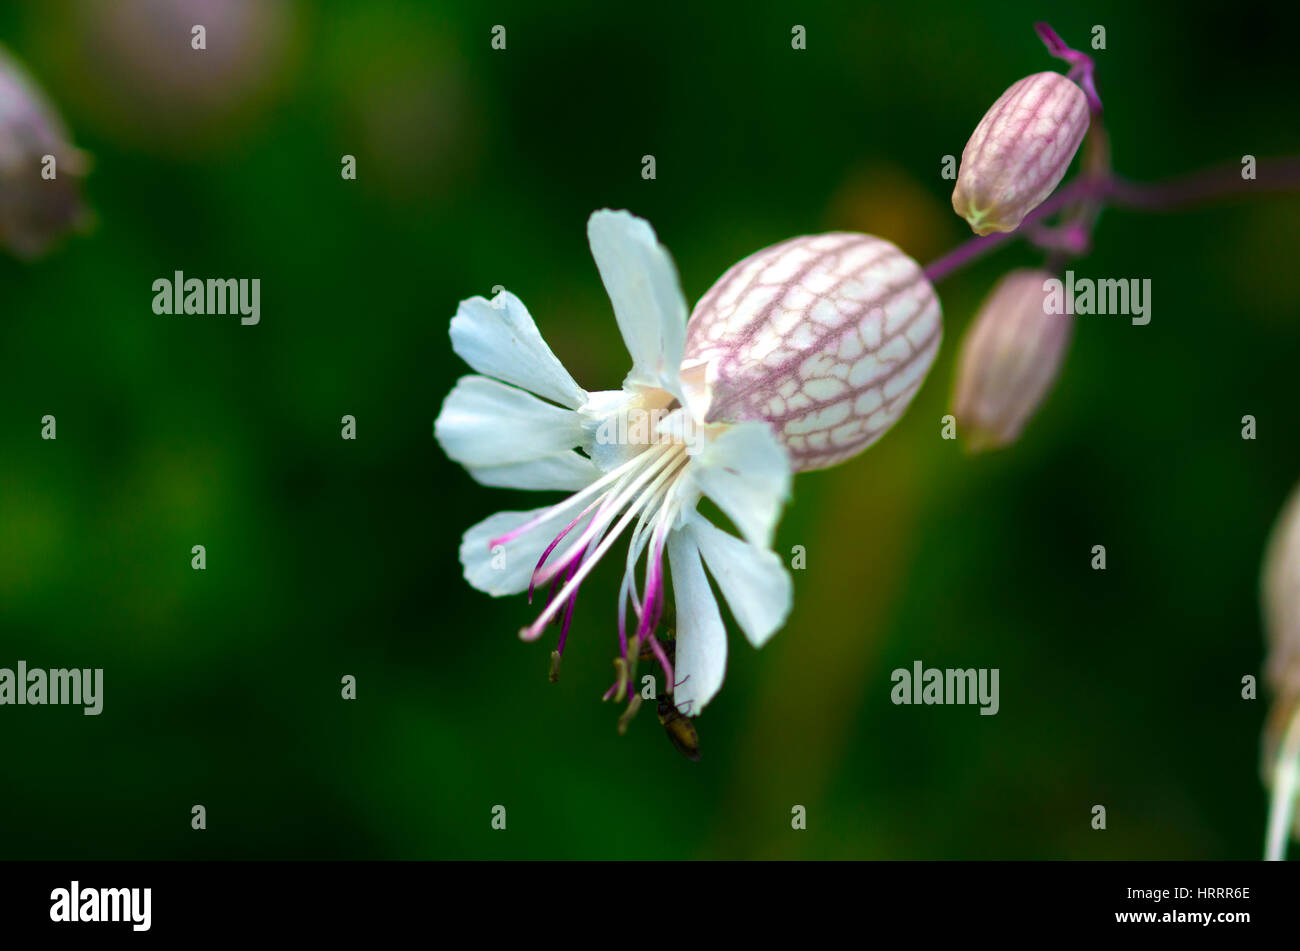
column 663, row 661
column 573, row 598
column 653, row 461
column 667, row 515
column 627, row 591
column 654, row 584
column 580, row 496
column 551, row 547
column 633, row 705
column 661, row 513
column 675, row 461
column 568, row 615
column 620, row 682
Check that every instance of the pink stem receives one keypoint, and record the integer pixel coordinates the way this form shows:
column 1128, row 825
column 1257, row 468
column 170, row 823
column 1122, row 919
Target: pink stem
column 1278, row 175
column 1081, row 65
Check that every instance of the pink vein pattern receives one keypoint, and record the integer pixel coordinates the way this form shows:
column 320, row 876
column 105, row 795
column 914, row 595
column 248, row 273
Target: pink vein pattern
column 826, row 337
column 1020, row 151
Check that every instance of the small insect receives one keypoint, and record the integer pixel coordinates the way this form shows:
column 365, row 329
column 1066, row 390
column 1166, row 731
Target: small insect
column 680, row 729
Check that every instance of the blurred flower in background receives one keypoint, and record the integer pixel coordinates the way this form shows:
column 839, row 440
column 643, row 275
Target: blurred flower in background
column 40, row 170
column 138, row 74
column 405, row 101
column 887, row 199
column 1281, row 603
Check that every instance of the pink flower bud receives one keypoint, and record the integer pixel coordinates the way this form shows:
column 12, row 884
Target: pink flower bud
column 826, row 338
column 40, row 170
column 1020, row 152
column 1009, row 360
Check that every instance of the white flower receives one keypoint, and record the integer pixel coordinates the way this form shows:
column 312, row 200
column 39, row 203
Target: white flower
column 637, row 461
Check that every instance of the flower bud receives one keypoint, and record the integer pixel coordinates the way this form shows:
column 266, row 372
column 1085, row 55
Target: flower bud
column 1020, row 151
column 40, row 170
column 825, row 337
column 1009, row 359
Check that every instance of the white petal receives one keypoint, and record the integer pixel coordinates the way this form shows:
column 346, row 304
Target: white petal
column 507, row 568
column 563, row 470
column 746, row 471
column 701, row 659
column 602, row 439
column 500, row 339
column 486, row 423
column 754, row 581
column 643, row 286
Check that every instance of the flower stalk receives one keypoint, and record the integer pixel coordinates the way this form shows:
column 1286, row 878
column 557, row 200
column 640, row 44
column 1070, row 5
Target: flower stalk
column 1097, row 186
column 1206, row 185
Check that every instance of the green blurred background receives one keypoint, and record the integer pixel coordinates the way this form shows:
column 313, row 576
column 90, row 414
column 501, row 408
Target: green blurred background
column 479, row 167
